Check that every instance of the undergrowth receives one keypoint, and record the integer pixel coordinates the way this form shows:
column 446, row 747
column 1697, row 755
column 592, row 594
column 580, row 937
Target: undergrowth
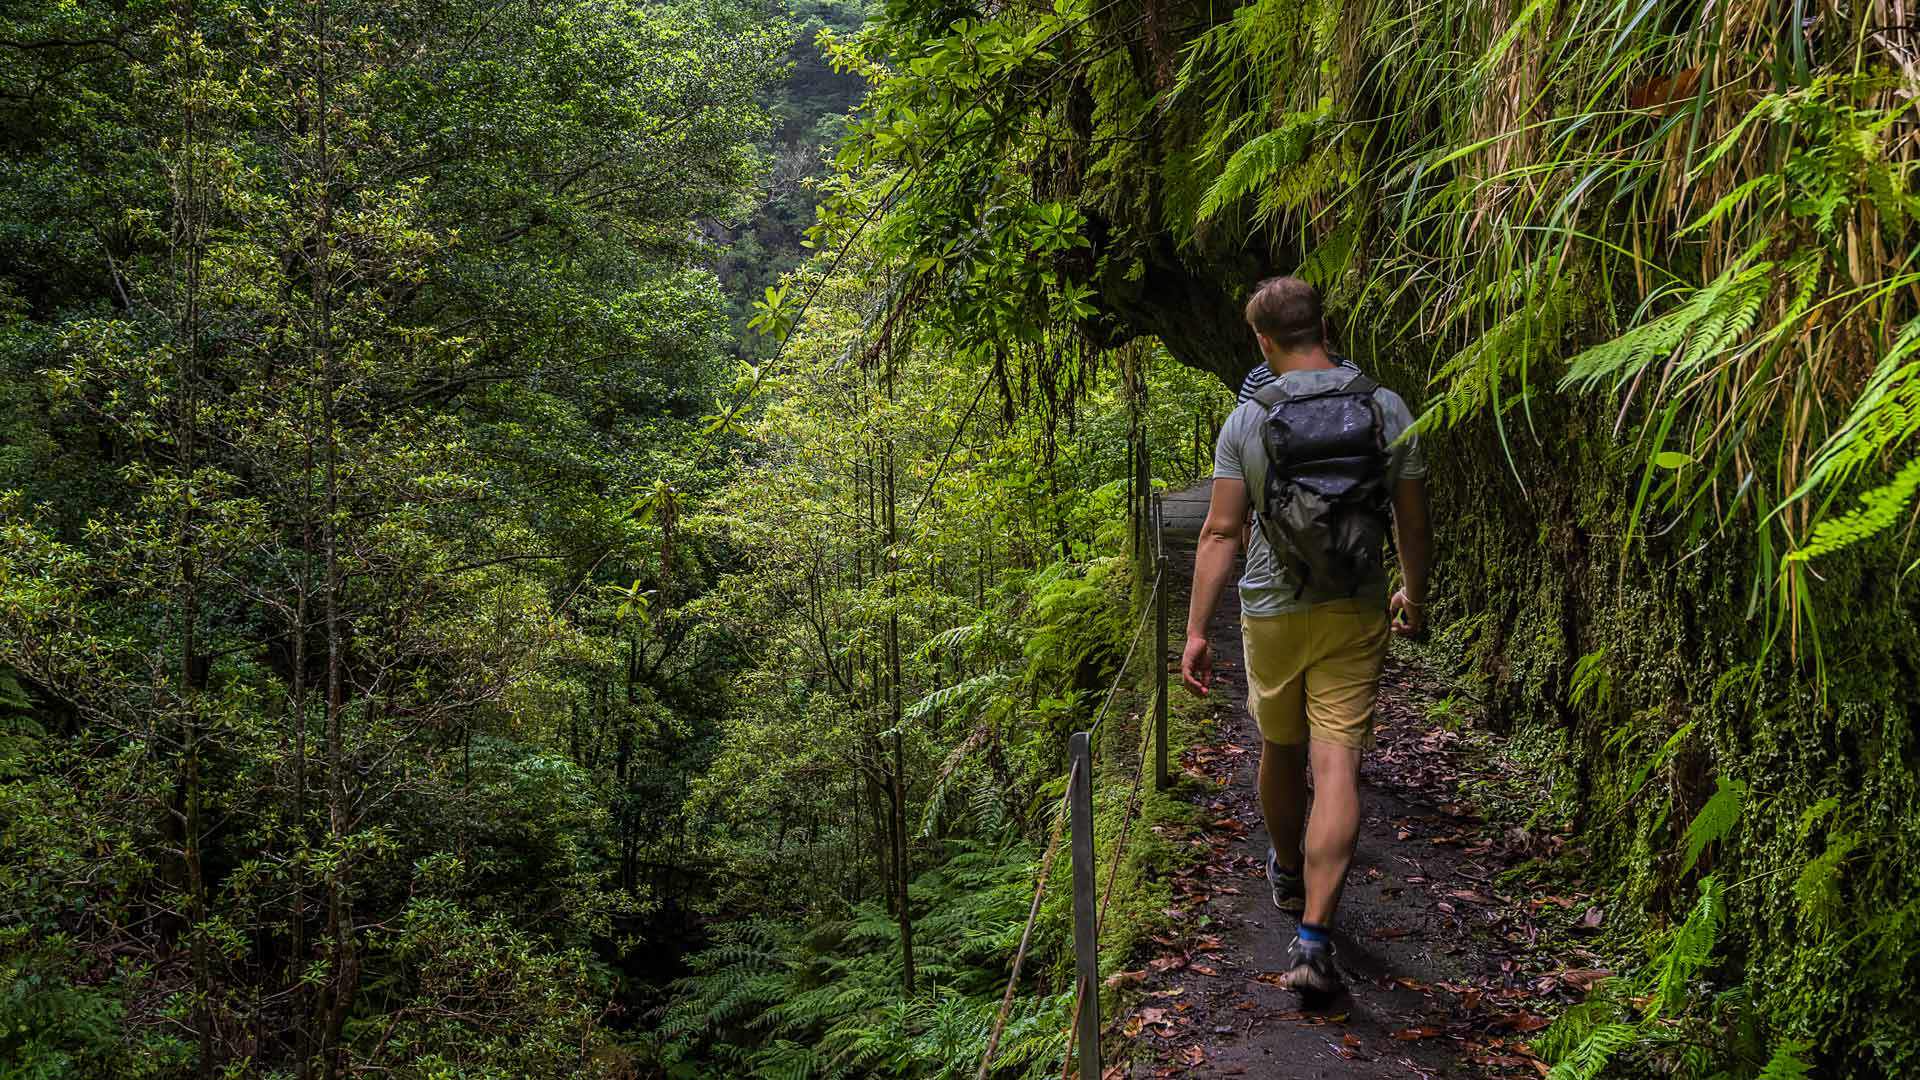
column 820, row 999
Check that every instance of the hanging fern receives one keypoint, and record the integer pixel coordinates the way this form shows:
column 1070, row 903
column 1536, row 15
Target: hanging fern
column 1713, row 319
column 1884, row 417
column 1472, row 379
column 1878, row 510
column 1260, row 161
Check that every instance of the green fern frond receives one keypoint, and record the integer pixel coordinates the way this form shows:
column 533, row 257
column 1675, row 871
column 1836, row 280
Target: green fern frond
column 1715, row 820
column 1814, row 815
column 1786, row 1062
column 1725, row 313
column 1330, row 258
column 1876, row 512
column 1713, row 319
column 1259, row 160
column 1818, row 887
column 1884, row 416
column 1589, row 1059
column 1577, row 1023
column 1689, row 951
column 964, row 692
column 1659, row 758
column 1529, row 333
column 1591, row 681
column 1694, row 1063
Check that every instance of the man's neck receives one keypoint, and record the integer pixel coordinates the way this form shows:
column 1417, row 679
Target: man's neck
column 1312, row 358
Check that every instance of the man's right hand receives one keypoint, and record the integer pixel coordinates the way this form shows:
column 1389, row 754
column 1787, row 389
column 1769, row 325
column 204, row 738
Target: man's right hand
column 1196, row 665
column 1409, row 621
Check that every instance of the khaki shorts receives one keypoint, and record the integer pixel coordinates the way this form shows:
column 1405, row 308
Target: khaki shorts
column 1316, row 672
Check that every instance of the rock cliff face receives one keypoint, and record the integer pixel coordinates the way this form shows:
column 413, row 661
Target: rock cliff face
column 1193, row 308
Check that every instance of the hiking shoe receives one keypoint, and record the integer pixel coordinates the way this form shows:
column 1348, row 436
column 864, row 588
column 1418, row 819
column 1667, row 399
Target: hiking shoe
column 1311, row 972
column 1289, row 888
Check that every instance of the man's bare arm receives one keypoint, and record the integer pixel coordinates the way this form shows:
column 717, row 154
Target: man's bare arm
column 1413, row 531
column 1212, row 565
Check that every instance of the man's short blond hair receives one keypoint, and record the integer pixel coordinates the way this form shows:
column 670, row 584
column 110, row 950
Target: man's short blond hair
column 1286, row 311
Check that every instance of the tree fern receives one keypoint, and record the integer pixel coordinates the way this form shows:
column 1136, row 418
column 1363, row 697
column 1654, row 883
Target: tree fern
column 965, row 692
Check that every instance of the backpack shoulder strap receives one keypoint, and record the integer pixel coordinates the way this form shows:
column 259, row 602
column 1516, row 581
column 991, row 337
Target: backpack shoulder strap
column 1253, row 452
column 1254, row 456
column 1271, row 394
column 1363, row 385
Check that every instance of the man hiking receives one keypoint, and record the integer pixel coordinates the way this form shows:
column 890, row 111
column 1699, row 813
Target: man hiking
column 1321, row 456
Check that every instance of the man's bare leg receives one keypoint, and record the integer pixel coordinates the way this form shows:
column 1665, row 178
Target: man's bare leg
column 1334, row 830
column 1283, row 799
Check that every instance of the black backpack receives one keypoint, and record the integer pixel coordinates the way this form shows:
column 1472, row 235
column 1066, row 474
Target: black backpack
column 1324, row 502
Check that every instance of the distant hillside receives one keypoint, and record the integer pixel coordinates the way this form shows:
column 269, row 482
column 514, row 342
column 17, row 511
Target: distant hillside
column 808, row 110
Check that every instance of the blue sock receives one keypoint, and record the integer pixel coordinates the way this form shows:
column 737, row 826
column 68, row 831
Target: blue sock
column 1310, row 932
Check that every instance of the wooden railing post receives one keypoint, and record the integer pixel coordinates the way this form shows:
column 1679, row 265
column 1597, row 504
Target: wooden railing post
column 1160, row 779
column 1086, row 943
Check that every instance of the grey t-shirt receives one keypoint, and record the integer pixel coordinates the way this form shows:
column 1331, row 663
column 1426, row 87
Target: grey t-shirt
column 1266, row 588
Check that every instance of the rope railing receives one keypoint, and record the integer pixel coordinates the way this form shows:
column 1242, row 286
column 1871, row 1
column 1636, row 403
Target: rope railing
column 1076, row 809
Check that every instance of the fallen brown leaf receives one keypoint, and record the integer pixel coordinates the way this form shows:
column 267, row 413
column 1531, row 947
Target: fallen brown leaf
column 1522, row 1022
column 1583, row 978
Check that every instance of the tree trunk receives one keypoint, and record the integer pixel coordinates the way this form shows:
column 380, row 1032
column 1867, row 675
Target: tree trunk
column 903, row 870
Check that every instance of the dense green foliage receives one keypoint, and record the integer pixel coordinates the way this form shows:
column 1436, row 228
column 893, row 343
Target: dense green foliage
column 340, row 341
column 1652, row 266
column 419, row 631
column 937, row 577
